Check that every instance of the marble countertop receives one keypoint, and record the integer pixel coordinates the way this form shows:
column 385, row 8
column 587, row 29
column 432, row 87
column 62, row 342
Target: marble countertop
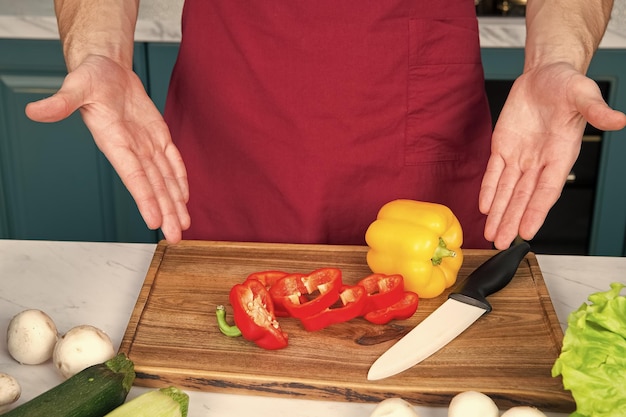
column 159, row 21
column 98, row 284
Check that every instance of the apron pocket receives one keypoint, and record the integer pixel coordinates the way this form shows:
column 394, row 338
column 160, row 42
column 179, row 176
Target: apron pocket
column 446, row 92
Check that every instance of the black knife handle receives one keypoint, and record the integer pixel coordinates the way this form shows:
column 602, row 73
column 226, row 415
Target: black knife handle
column 490, row 277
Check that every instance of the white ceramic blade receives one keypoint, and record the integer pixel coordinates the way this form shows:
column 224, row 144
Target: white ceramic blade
column 433, row 333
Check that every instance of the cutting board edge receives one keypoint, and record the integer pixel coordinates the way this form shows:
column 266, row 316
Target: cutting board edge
column 363, row 392
column 546, row 302
column 142, row 298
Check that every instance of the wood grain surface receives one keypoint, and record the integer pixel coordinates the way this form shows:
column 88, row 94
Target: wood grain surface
column 173, row 338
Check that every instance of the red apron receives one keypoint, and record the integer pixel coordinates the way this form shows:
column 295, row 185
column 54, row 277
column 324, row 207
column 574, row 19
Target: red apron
column 299, row 119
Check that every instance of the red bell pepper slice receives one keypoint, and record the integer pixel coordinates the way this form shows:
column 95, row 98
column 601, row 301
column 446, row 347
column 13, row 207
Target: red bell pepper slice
column 269, row 278
column 382, row 290
column 400, row 310
column 352, row 300
column 253, row 312
column 320, row 289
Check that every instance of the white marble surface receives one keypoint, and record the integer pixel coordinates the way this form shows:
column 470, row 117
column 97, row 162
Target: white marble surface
column 98, row 284
column 510, row 32
column 159, row 21
column 618, row 17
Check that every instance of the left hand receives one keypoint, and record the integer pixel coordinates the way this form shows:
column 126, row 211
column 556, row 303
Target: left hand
column 534, row 146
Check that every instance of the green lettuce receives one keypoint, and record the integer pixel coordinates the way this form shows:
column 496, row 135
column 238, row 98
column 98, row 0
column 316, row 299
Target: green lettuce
column 593, row 358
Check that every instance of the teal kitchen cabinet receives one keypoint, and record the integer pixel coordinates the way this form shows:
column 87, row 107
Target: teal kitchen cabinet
column 54, row 182
column 607, row 229
column 161, row 58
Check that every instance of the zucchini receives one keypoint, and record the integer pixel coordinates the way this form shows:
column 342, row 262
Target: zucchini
column 92, row 392
column 164, row 402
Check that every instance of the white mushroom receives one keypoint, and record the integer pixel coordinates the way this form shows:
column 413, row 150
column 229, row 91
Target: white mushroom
column 472, row 404
column 10, row 391
column 394, row 407
column 31, row 337
column 523, row 411
column 81, row 347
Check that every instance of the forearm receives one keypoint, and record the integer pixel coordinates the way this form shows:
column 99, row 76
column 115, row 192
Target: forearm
column 564, row 31
column 97, row 27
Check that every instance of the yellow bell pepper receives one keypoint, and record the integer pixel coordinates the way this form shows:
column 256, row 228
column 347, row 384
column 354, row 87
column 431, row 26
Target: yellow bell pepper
column 420, row 241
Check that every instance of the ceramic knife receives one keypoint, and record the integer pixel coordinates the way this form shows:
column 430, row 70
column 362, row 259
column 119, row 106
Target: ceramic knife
column 464, row 306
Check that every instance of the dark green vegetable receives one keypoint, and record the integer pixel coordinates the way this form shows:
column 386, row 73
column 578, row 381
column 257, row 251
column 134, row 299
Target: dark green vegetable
column 593, row 358
column 92, row 392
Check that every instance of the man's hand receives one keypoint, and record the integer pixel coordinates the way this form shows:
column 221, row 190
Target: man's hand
column 131, row 132
column 534, row 146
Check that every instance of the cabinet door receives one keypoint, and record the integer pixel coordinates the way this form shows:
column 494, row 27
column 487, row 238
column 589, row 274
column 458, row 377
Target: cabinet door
column 161, row 58
column 55, row 183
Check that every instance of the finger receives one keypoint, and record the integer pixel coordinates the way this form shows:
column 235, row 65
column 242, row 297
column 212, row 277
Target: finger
column 171, row 198
column 180, row 172
column 546, row 194
column 59, row 106
column 179, row 191
column 489, row 184
column 508, row 227
column 602, row 117
column 505, row 188
column 135, row 178
column 52, row 109
column 148, row 188
column 590, row 103
column 170, row 168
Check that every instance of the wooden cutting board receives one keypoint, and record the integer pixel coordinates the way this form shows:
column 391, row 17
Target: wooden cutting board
column 173, row 338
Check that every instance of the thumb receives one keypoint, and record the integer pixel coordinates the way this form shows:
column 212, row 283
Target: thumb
column 596, row 111
column 602, row 117
column 56, row 107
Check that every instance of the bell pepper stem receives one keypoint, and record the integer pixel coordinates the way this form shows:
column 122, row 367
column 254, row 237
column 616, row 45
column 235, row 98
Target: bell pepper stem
column 225, row 328
column 441, row 252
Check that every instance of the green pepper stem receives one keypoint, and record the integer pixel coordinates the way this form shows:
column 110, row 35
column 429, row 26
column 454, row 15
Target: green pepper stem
column 441, row 252
column 225, row 328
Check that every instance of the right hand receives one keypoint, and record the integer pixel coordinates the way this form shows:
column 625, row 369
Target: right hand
column 534, row 145
column 132, row 134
